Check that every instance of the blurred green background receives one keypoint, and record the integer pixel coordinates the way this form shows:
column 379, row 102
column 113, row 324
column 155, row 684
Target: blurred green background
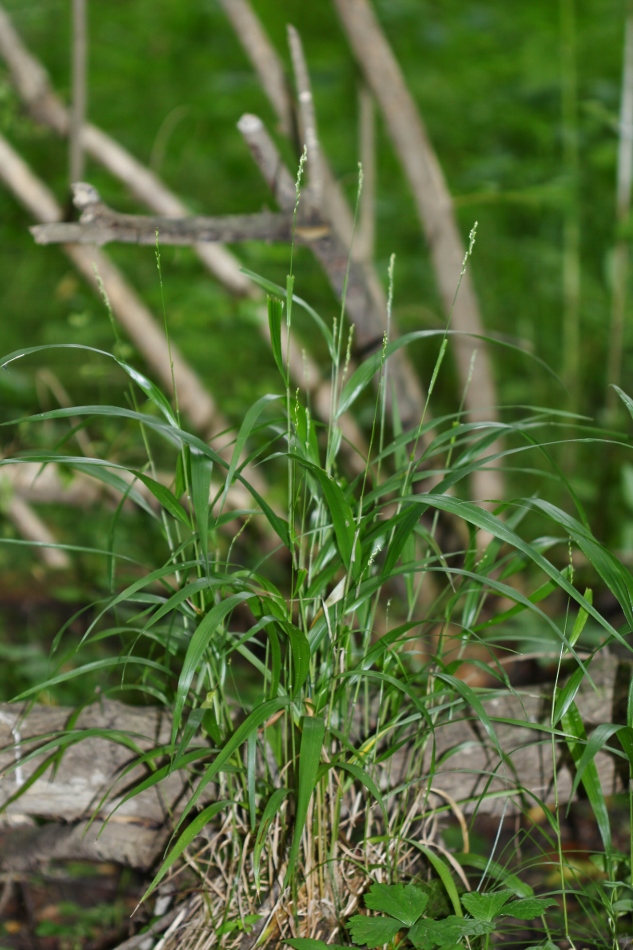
column 169, row 80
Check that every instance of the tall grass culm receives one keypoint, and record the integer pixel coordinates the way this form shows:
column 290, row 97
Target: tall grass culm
column 307, row 646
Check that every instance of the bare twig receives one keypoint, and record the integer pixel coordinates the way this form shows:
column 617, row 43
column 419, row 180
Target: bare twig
column 80, row 90
column 262, row 55
column 33, row 86
column 623, row 207
column 307, row 116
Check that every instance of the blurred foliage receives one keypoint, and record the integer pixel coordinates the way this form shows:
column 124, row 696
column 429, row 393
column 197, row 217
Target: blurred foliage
column 170, row 80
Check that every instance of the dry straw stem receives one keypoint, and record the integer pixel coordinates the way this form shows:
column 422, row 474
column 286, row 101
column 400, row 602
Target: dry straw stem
column 33, row 86
column 434, row 204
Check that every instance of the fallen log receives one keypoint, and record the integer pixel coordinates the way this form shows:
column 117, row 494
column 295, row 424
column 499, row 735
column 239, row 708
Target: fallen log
column 468, row 769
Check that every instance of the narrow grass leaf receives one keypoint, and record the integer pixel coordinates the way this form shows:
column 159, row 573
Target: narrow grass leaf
column 275, row 314
column 273, row 805
column 312, row 734
column 599, row 738
column 496, row 871
column 277, row 289
column 442, row 871
column 196, row 650
column 339, row 508
column 252, row 722
column 101, row 665
column 185, row 839
column 489, row 522
column 165, row 497
column 300, row 649
column 576, row 743
column 201, row 468
column 246, row 428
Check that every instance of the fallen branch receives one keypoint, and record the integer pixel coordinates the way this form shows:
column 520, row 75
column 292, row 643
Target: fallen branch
column 471, row 771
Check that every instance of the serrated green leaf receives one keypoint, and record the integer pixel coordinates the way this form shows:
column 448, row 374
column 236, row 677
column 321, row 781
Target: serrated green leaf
column 404, row 902
column 485, row 906
column 428, row 933
column 528, row 908
column 373, row 931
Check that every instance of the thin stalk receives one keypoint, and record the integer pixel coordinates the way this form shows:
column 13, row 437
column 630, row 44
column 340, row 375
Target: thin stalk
column 571, row 223
column 623, row 207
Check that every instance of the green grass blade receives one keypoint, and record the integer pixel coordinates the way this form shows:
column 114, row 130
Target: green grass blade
column 252, row 722
column 278, row 290
column 185, row 839
column 443, row 872
column 312, row 734
column 165, row 497
column 196, row 650
column 246, row 428
column 275, row 314
column 576, row 743
column 201, row 468
column 273, row 805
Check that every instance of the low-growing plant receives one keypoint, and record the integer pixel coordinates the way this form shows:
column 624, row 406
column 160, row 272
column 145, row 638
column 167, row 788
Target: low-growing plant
column 303, row 641
column 401, row 919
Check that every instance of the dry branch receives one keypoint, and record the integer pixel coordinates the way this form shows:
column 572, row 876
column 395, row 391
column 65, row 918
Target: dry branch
column 33, row 86
column 307, row 117
column 434, row 204
column 137, row 321
column 262, row 55
column 471, row 770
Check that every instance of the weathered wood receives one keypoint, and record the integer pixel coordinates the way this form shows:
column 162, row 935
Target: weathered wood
column 468, row 768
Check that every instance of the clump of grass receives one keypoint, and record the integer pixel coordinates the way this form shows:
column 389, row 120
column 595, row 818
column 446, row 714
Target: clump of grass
column 308, row 644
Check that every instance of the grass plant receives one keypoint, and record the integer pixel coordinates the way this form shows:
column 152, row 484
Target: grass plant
column 309, row 644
